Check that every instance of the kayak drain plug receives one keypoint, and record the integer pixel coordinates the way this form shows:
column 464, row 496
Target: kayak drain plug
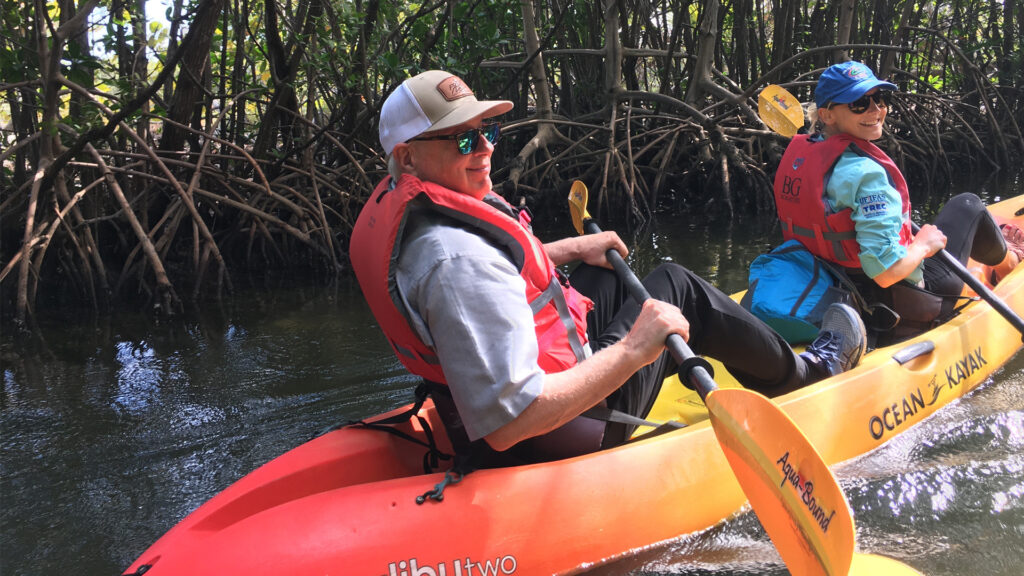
column 437, row 493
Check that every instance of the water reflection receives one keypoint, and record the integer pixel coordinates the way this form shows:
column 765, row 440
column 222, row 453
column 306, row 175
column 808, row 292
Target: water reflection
column 138, row 378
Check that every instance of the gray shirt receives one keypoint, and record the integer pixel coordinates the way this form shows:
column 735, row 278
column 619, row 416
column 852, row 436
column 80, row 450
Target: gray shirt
column 467, row 301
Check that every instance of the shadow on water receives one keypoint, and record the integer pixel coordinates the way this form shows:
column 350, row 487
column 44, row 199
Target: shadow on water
column 114, row 429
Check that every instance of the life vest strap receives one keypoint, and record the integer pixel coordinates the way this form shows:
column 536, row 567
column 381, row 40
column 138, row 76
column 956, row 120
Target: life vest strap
column 433, row 457
column 606, row 414
column 829, row 235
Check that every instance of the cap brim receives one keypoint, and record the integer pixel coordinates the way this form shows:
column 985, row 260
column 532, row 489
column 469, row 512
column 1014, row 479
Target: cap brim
column 469, row 111
column 859, row 89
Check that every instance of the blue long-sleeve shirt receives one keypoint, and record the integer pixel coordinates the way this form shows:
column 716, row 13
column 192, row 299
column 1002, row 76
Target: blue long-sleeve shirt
column 861, row 184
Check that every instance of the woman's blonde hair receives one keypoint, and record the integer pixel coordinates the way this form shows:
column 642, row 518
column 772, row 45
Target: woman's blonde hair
column 812, row 116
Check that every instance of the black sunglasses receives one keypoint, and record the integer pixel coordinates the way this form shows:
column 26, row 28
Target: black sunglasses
column 467, row 141
column 861, row 105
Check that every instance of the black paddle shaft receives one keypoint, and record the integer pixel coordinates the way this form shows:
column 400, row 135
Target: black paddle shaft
column 692, row 368
column 979, row 288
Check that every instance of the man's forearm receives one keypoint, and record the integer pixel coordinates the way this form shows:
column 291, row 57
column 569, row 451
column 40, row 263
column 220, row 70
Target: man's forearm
column 569, row 393
column 563, row 251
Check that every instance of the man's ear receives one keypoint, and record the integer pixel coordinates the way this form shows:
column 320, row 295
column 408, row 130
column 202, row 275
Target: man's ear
column 402, row 153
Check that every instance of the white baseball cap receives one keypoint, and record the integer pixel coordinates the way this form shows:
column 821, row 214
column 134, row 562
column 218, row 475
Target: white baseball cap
column 432, row 100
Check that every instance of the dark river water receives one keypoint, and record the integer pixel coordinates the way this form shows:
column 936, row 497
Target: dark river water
column 114, row 429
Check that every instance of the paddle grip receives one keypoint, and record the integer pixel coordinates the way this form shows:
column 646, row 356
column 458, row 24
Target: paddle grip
column 980, row 289
column 692, row 368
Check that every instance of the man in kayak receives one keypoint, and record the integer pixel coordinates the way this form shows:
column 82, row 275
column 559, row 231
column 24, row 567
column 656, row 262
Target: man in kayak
column 836, row 181
column 472, row 301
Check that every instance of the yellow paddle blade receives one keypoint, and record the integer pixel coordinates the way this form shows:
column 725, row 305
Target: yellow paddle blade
column 578, row 205
column 780, row 110
column 791, row 489
column 874, row 565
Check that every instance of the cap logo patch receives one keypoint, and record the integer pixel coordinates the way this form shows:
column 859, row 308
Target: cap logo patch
column 858, row 72
column 453, row 88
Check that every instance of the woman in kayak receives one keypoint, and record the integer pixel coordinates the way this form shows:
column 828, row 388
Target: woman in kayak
column 472, row 301
column 847, row 202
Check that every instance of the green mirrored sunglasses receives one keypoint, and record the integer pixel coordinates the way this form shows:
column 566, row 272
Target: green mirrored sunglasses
column 467, row 141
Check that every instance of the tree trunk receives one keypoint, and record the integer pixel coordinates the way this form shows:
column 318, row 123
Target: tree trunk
column 782, row 38
column 741, row 36
column 189, row 86
column 707, row 43
column 889, row 59
column 172, row 46
column 1007, row 72
column 546, row 132
column 613, row 50
column 50, row 51
column 846, row 13
column 140, row 65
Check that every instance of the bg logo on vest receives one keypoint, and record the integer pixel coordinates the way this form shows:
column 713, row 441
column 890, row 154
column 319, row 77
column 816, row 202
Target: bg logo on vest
column 501, row 565
column 791, row 189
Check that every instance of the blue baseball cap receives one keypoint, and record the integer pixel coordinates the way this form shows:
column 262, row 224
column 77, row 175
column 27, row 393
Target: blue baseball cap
column 845, row 82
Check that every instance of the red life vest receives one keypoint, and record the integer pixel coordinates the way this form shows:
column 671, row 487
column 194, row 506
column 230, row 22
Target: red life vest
column 800, row 196
column 559, row 311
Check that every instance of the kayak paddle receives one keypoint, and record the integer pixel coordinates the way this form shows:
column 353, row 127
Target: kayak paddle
column 780, row 110
column 791, row 489
column 787, row 125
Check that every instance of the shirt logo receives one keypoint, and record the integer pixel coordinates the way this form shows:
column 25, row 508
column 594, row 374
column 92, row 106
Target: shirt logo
column 798, row 163
column 873, row 205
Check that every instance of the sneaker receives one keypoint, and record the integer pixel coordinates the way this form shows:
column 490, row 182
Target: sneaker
column 840, row 344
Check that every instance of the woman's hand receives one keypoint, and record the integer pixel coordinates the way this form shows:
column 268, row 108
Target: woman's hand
column 930, row 239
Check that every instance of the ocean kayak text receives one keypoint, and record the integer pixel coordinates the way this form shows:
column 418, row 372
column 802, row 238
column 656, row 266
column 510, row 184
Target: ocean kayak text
column 502, row 565
column 899, row 413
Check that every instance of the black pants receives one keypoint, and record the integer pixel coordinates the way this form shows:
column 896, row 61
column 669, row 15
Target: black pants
column 720, row 328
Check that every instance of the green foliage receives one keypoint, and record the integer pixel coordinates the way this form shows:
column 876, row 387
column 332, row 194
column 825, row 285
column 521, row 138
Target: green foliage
column 14, row 67
column 79, row 66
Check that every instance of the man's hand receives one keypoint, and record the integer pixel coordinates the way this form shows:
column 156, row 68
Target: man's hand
column 657, row 320
column 568, row 393
column 590, row 248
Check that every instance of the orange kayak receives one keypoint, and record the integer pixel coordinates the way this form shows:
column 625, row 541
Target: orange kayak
column 345, row 503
